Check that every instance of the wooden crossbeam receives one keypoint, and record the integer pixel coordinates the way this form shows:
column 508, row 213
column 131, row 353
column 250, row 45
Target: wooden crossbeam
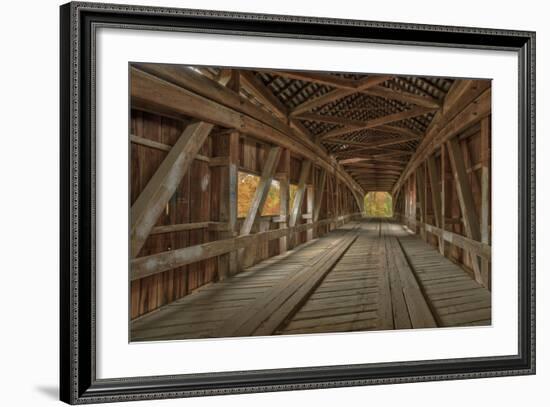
column 358, row 160
column 377, row 171
column 296, row 210
column 257, row 204
column 465, row 199
column 464, row 191
column 260, row 195
column 317, row 77
column 157, row 263
column 255, row 87
column 339, row 94
column 391, row 118
column 315, row 117
column 356, row 123
column 373, row 152
column 162, row 185
column 300, row 129
column 406, row 97
column 373, row 164
column 157, row 230
column 467, row 102
column 191, row 94
column 482, row 250
column 373, row 144
column 142, row 141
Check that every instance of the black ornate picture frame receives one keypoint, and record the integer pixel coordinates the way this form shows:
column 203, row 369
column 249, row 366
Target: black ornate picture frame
column 78, row 212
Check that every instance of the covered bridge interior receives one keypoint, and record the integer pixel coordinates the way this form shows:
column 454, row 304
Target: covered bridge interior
column 203, row 264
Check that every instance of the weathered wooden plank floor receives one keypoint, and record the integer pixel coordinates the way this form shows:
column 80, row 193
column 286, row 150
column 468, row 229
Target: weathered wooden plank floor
column 363, row 276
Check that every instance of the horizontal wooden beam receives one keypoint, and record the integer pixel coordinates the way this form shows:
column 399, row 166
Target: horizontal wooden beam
column 480, row 249
column 374, row 172
column 357, row 160
column 373, row 165
column 373, row 152
column 235, row 112
column 373, row 144
column 356, row 123
column 162, row 185
column 157, row 263
column 183, row 227
column 322, row 118
column 160, row 146
column 466, row 103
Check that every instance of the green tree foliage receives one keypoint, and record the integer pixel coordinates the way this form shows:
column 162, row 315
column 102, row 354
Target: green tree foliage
column 378, row 204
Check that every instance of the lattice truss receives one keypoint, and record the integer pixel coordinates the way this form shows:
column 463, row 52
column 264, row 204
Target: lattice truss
column 371, row 124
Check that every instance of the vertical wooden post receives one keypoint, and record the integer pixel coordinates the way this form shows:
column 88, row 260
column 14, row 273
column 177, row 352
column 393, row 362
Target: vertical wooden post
column 421, row 188
column 436, row 198
column 443, row 199
column 485, row 195
column 284, row 182
column 310, row 200
column 337, row 199
column 465, row 199
column 296, row 211
column 228, row 263
column 319, row 190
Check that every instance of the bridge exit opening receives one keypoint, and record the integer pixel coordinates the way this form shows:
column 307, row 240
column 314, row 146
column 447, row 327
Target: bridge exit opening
column 378, row 204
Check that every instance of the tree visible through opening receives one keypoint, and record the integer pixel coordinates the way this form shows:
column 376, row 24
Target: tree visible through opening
column 378, row 204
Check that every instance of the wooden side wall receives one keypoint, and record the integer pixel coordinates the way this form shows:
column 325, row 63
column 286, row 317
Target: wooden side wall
column 408, row 207
column 196, row 202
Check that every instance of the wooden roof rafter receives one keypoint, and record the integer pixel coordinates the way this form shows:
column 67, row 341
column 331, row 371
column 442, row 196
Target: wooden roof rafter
column 466, row 103
column 317, row 77
column 336, row 94
column 390, row 118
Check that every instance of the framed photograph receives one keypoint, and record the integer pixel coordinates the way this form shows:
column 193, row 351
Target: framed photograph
column 255, row 203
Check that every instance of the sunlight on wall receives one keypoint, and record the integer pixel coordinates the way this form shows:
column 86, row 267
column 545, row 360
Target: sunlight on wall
column 378, row 204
